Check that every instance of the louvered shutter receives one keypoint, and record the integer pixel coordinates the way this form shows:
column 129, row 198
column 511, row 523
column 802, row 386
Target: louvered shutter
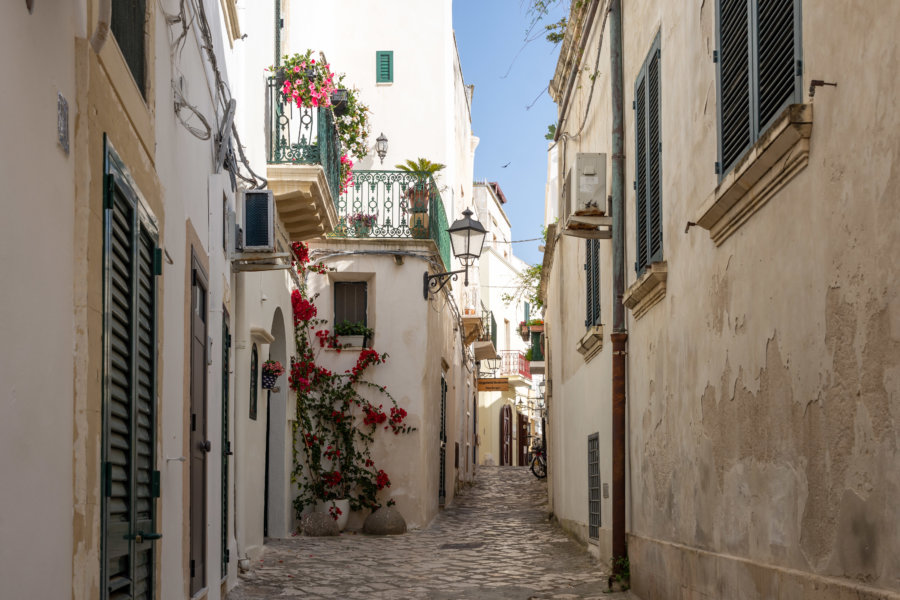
column 776, row 69
column 758, row 70
column 592, row 277
column 734, row 80
column 384, row 66
column 648, row 156
column 130, row 479
column 120, row 386
column 654, row 155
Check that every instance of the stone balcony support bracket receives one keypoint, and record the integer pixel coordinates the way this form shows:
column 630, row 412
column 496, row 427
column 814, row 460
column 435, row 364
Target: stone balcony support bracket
column 591, row 343
column 649, row 289
column 303, row 200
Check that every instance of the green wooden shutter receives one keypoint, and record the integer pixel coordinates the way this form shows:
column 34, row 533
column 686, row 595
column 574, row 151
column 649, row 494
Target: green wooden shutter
column 384, row 66
column 592, row 279
column 758, row 70
column 527, row 312
column 254, row 381
column 735, row 131
column 226, row 442
column 776, row 73
column 648, row 156
column 130, row 481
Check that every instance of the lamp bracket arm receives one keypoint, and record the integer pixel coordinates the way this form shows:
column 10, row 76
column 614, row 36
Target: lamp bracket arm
column 436, row 282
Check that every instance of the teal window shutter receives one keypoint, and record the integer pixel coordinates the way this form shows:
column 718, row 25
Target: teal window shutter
column 758, row 70
column 648, row 157
column 384, row 66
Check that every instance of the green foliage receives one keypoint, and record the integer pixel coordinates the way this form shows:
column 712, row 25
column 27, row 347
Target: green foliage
column 556, row 32
column 526, row 288
column 347, row 328
column 551, row 133
column 420, row 165
column 622, row 571
column 529, row 353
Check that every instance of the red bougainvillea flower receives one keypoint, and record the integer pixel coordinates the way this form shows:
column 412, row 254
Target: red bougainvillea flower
column 382, row 481
column 301, row 251
column 304, row 310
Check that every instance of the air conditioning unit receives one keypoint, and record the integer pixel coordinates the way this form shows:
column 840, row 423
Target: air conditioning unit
column 582, row 203
column 259, row 221
column 589, row 185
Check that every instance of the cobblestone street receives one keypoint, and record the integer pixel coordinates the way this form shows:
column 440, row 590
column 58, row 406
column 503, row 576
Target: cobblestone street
column 494, row 542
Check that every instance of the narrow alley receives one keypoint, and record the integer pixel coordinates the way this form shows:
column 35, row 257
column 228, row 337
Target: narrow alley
column 494, row 542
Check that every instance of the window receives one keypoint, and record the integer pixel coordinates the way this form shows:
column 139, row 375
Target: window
column 592, row 275
column 384, row 66
column 127, row 23
column 758, row 70
column 350, row 299
column 254, row 381
column 648, row 152
column 594, row 486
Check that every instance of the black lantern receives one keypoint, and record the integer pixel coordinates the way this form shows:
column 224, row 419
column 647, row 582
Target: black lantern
column 339, row 100
column 492, row 364
column 467, row 240
column 381, row 146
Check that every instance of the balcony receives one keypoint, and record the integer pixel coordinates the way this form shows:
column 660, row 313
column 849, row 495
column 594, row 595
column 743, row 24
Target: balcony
column 538, row 366
column 405, row 204
column 486, row 346
column 513, row 364
column 303, row 153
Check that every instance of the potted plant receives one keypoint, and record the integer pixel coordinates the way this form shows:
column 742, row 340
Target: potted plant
column 271, row 371
column 419, row 191
column 362, row 224
column 523, row 331
column 353, row 335
column 536, row 325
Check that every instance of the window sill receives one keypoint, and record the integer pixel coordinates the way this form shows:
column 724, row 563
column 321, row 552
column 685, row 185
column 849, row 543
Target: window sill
column 779, row 154
column 591, row 343
column 649, row 289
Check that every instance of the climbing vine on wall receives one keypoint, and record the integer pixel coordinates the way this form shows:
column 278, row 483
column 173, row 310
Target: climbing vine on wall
column 334, row 425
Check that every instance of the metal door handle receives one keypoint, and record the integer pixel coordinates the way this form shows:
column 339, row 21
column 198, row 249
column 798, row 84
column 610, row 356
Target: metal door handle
column 140, row 537
column 207, row 445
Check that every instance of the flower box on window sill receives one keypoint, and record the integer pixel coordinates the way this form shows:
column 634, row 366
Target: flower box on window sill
column 354, row 341
column 649, row 289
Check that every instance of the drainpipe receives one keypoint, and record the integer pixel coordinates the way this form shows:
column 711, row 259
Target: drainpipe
column 619, row 335
column 101, row 31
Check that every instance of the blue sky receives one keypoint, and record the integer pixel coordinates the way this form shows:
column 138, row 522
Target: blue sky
column 489, row 34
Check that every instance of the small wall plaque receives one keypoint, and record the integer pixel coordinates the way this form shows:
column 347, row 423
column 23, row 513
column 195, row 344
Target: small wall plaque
column 62, row 122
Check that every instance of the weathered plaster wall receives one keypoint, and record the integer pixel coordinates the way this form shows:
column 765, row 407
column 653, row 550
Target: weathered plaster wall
column 763, row 389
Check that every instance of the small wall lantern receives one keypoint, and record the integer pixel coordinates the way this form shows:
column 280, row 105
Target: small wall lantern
column 381, row 146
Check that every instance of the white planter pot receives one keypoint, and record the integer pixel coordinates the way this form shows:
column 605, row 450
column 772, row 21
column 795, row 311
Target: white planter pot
column 343, row 505
column 352, row 341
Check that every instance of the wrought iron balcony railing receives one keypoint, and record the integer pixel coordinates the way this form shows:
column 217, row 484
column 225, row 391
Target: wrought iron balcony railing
column 512, row 362
column 405, row 205
column 302, row 136
column 488, row 326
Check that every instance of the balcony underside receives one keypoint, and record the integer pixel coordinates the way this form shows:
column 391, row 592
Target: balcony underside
column 303, row 200
column 484, row 350
column 473, row 328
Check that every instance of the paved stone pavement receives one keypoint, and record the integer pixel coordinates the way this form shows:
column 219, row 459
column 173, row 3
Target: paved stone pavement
column 494, row 542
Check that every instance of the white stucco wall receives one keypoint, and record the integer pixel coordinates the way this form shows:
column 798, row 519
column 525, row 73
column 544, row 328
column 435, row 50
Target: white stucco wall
column 37, row 306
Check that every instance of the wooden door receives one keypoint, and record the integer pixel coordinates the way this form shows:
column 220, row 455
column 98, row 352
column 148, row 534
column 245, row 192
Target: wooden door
column 523, row 423
column 505, row 436
column 199, row 445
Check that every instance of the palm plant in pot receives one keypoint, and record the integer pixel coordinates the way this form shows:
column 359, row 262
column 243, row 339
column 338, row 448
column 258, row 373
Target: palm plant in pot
column 419, row 191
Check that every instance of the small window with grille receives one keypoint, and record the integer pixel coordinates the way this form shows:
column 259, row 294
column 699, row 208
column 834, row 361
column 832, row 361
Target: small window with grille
column 594, row 486
column 128, row 24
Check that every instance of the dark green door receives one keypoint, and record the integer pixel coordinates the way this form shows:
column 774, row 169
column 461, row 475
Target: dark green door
column 130, row 481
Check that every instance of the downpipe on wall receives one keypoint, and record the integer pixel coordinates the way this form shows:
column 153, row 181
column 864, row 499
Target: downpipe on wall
column 619, row 335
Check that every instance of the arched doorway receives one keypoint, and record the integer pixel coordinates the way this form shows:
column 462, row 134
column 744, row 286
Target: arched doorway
column 277, row 505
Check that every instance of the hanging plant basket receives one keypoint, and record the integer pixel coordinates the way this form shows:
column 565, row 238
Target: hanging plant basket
column 269, row 381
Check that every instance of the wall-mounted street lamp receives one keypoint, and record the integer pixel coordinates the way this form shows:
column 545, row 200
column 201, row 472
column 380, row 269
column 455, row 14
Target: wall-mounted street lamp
column 467, row 241
column 381, row 146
